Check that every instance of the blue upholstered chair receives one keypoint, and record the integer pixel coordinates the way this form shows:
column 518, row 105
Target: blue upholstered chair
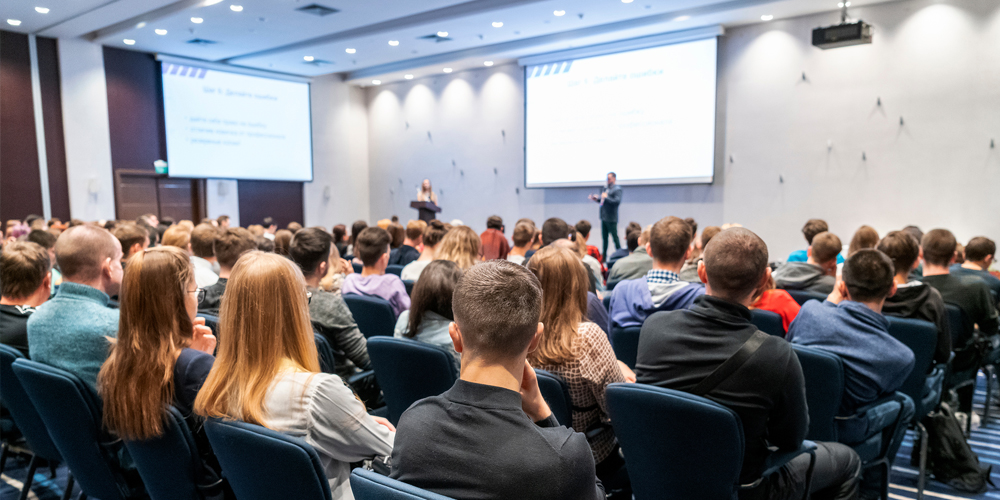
column 394, row 269
column 169, row 465
column 607, row 301
column 768, row 322
column 556, row 394
column 327, row 363
column 802, row 296
column 373, row 315
column 409, row 286
column 710, row 435
column 625, row 342
column 368, row 485
column 357, row 267
column 408, row 370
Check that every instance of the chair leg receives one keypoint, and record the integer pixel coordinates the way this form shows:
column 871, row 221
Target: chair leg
column 886, row 468
column 923, row 460
column 991, row 373
column 32, row 466
column 69, row 488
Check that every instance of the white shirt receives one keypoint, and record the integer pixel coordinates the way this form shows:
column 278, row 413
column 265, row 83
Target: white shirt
column 203, row 273
column 320, row 409
column 411, row 271
column 517, row 259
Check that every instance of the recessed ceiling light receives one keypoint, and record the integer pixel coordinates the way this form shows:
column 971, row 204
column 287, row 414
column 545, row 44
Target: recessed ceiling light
column 497, row 24
column 442, row 34
column 210, row 2
column 487, row 63
column 447, row 70
column 350, row 51
column 766, row 17
column 236, row 8
column 559, row 13
column 408, row 77
column 843, row 4
column 42, row 10
column 160, row 32
column 129, row 41
column 376, row 82
column 393, row 42
column 308, row 58
column 626, row 1
column 141, row 25
column 14, row 22
column 682, row 18
column 197, row 20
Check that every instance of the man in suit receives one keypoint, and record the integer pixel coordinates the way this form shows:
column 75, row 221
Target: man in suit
column 609, row 199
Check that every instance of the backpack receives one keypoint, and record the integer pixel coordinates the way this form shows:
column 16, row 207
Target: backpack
column 949, row 456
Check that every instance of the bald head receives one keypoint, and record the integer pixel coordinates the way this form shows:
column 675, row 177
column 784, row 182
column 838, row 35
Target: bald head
column 735, row 264
column 83, row 251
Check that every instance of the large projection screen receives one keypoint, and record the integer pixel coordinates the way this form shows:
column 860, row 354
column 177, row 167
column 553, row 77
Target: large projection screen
column 224, row 125
column 648, row 115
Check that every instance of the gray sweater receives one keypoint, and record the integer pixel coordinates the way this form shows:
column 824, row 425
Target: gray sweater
column 332, row 319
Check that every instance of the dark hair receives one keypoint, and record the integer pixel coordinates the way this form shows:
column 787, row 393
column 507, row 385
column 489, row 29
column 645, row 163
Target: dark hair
column 978, row 248
column 43, row 238
column 825, row 247
column 902, row 248
column 339, row 231
column 735, row 262
column 814, row 227
column 415, row 229
column 694, row 226
column 203, row 240
column 23, row 267
column 523, row 233
column 309, row 248
column 434, row 233
column 372, row 243
column 868, row 275
column 707, row 234
column 282, row 239
column 268, row 222
column 233, row 243
column 265, row 245
column 864, row 237
column 494, row 222
column 633, row 226
column 669, row 239
column 612, row 174
column 433, row 292
column 554, row 229
column 583, row 227
column 356, row 228
column 128, row 235
column 294, row 227
column 222, row 219
column 915, row 231
column 939, row 247
column 632, row 239
column 497, row 305
column 398, row 234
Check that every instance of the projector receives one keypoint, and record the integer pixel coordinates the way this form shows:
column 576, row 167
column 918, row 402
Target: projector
column 842, row 35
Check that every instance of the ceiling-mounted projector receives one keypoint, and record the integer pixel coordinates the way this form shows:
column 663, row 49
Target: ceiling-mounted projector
column 842, row 35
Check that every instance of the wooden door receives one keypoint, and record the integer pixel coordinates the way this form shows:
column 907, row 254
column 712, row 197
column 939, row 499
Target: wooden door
column 139, row 192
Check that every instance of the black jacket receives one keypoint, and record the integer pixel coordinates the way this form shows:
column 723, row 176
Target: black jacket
column 918, row 300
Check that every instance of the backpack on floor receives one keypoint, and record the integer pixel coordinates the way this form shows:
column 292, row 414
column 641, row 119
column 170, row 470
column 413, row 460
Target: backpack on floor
column 949, row 456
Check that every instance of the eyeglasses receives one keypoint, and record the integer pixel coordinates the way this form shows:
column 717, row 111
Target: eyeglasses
column 201, row 294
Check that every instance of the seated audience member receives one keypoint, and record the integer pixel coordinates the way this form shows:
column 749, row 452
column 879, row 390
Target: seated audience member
column 408, row 251
column 72, row 330
column 356, row 228
column 293, row 226
column 659, row 289
column 133, row 238
column 818, row 273
column 448, row 444
column 810, row 230
column 430, row 312
column 579, row 352
column 163, row 352
column 25, row 276
column 372, row 247
column 47, row 240
column 594, row 267
column 203, row 254
column 282, row 238
column 679, row 349
column 267, row 372
column 232, row 243
column 583, row 227
column 265, row 245
column 223, row 222
column 914, row 299
column 596, row 312
column 633, row 227
column 459, row 245
column 178, row 236
column 864, row 237
column 310, row 250
column 553, row 229
column 270, row 228
column 397, row 234
column 970, row 293
column 919, row 235
column 635, row 265
column 523, row 237
column 776, row 301
column 979, row 255
column 340, row 238
column 257, row 230
column 690, row 270
column 493, row 242
column 431, row 240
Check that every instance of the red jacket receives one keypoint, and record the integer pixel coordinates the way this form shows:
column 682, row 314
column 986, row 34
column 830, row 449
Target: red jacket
column 494, row 245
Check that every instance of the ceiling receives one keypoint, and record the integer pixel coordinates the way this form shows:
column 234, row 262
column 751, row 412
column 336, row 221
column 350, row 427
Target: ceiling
column 286, row 36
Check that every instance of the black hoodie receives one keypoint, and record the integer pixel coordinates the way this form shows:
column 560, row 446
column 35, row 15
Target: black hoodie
column 917, row 300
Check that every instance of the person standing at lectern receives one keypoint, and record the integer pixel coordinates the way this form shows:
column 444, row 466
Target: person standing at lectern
column 426, row 193
column 609, row 199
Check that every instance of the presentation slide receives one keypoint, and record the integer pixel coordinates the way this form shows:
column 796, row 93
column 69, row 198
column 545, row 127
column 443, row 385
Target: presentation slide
column 648, row 115
column 224, row 125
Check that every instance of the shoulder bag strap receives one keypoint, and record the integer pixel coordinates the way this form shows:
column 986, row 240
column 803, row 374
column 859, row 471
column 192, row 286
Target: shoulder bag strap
column 729, row 366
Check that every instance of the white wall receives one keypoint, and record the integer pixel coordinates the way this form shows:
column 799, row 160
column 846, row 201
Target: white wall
column 934, row 63
column 222, row 197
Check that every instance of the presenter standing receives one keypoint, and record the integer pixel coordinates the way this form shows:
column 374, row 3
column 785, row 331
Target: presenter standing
column 609, row 199
column 426, row 193
column 426, row 203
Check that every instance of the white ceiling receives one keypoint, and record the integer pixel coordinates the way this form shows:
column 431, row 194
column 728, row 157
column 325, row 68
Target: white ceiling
column 272, row 35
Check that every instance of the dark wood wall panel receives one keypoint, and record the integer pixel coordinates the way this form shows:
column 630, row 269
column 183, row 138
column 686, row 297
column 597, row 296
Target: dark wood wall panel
column 21, row 186
column 55, row 145
column 280, row 200
column 135, row 109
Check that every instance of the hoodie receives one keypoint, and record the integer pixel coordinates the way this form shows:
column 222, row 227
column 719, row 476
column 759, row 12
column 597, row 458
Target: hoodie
column 917, row 300
column 803, row 276
column 632, row 301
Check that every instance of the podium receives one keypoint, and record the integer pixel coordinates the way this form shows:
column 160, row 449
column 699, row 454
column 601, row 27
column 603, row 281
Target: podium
column 425, row 210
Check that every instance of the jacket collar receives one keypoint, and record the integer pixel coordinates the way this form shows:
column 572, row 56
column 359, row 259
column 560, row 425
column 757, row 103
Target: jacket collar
column 84, row 292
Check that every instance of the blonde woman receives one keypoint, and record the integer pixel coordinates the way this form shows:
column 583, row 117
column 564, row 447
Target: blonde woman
column 267, row 371
column 461, row 246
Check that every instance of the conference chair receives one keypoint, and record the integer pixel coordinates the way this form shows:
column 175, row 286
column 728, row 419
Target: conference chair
column 26, row 418
column 357, row 267
column 261, row 464
column 556, row 394
column 768, row 322
column 923, row 385
column 885, row 418
column 327, row 363
column 394, row 269
column 71, row 412
column 607, row 301
column 708, row 435
column 409, row 286
column 170, row 466
column 961, row 373
column 374, row 315
column 625, row 342
column 408, row 370
column 802, row 296
column 368, row 485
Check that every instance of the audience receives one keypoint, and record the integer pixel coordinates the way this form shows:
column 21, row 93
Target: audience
column 430, row 239
column 812, row 228
column 270, row 228
column 340, row 238
column 969, row 293
column 232, row 243
column 223, row 222
column 690, row 270
column 25, row 281
column 409, row 250
column 864, row 237
column 777, row 301
column 596, row 312
column 265, row 245
column 494, row 244
column 523, row 237
column 203, row 254
column 72, row 330
column 178, row 236
column 679, row 349
column 397, row 235
column 267, row 372
column 47, row 240
column 636, row 264
column 430, row 312
column 553, row 229
column 979, row 255
column 583, row 227
column 461, row 246
column 372, row 247
column 473, row 441
column 594, row 268
column 817, row 273
column 133, row 238
column 293, row 226
column 632, row 228
column 356, row 228
column 282, row 238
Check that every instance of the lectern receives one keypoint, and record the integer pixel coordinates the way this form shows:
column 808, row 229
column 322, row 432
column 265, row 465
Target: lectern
column 425, row 209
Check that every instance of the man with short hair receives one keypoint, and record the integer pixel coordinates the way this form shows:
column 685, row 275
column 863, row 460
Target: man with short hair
column 71, row 330
column 409, row 250
column 223, row 222
column 583, row 227
column 450, row 444
column 680, row 349
column 25, row 280
column 231, row 244
column 609, row 200
column 553, row 229
column 150, row 220
column 969, row 293
column 817, row 273
column 47, row 240
column 372, row 247
column 270, row 227
column 493, row 242
column 178, row 236
column 203, row 254
column 660, row 289
column 310, row 250
column 690, row 270
column 636, row 265
column 524, row 232
column 812, row 228
column 133, row 239
column 632, row 227
column 979, row 255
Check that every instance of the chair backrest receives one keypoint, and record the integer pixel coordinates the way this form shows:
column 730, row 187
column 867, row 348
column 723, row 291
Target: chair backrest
column 556, row 393
column 802, row 296
column 357, row 267
column 394, row 269
column 409, row 370
column 607, row 302
column 709, row 434
column 960, row 326
column 824, row 374
column 169, row 464
column 327, row 362
column 625, row 342
column 373, row 314
column 409, row 286
column 368, row 485
column 921, row 337
column 71, row 412
column 22, row 410
column 261, row 464
column 768, row 322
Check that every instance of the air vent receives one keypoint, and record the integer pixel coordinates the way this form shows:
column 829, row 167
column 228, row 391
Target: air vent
column 201, row 41
column 317, row 10
column 435, row 38
column 317, row 62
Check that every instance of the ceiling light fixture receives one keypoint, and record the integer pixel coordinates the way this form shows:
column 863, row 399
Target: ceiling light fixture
column 42, row 10
column 442, row 34
column 393, row 43
column 497, row 24
column 129, row 41
column 487, row 63
column 559, row 13
column 682, row 18
column 210, row 2
column 236, row 8
column 408, row 77
column 197, row 20
column 766, row 17
column 141, row 25
column 376, row 82
column 350, row 51
column 447, row 70
column 14, row 22
column 308, row 58
column 626, row 1
column 160, row 31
